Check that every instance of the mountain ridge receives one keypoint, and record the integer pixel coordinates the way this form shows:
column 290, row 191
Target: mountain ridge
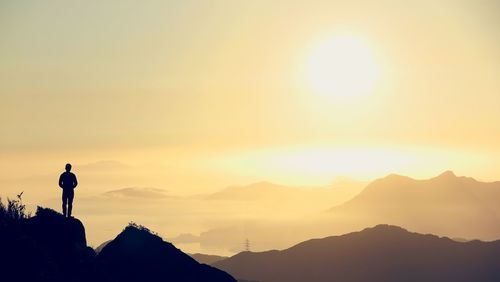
column 380, row 253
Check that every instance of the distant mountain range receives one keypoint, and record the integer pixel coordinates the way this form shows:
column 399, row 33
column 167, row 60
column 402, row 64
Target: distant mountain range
column 383, row 253
column 446, row 204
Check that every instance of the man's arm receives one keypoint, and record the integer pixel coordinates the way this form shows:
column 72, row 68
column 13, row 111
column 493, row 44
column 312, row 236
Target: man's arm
column 75, row 182
column 61, row 181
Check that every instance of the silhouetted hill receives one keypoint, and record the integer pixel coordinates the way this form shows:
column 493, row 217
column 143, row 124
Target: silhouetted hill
column 138, row 255
column 382, row 253
column 446, row 204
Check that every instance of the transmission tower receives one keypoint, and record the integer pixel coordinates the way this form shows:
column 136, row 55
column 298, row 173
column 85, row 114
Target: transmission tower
column 247, row 245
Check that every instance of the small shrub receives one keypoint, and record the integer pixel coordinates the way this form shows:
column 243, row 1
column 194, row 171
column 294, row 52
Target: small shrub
column 15, row 211
column 138, row 226
column 141, row 228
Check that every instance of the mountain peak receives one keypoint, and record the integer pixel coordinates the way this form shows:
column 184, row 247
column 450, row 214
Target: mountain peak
column 386, row 228
column 393, row 179
column 447, row 175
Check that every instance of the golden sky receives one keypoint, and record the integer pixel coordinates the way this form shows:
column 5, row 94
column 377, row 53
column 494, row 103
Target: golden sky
column 229, row 92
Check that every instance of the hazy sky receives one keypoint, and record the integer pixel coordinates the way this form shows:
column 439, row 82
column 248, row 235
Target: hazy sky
column 221, row 91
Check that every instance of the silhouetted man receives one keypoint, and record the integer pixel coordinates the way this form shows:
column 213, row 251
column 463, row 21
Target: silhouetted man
column 67, row 181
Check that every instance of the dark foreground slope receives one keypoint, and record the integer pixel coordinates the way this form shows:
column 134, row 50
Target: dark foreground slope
column 50, row 247
column 382, row 253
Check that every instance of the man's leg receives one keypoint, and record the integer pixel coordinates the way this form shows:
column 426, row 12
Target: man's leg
column 64, row 201
column 71, row 195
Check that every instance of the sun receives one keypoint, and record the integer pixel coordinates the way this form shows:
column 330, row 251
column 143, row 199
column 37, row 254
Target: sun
column 342, row 67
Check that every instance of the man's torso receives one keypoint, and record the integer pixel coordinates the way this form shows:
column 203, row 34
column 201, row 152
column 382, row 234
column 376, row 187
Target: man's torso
column 68, row 180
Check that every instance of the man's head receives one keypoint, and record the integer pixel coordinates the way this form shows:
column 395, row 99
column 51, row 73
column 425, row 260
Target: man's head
column 68, row 167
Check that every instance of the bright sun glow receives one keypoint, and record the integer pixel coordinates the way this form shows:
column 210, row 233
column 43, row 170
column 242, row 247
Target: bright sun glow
column 342, row 67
